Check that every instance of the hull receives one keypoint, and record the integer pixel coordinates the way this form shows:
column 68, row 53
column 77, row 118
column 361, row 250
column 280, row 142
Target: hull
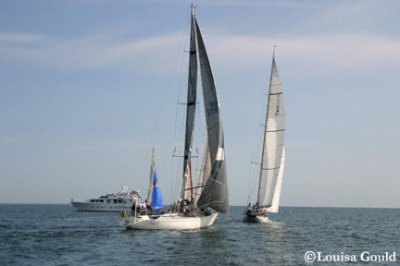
column 168, row 222
column 255, row 219
column 256, row 215
column 116, row 202
column 100, row 207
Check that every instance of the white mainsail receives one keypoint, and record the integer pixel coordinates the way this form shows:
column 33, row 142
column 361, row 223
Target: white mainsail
column 272, row 154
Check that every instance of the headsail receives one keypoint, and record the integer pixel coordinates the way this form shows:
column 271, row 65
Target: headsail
column 156, row 198
column 215, row 191
column 273, row 140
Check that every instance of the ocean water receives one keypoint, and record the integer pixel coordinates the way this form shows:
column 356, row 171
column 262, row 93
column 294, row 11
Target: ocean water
column 59, row 235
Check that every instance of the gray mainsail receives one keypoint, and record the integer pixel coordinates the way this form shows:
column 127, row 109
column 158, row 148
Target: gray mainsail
column 215, row 191
column 273, row 140
column 190, row 112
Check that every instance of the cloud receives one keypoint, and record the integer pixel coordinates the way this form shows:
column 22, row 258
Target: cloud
column 352, row 16
column 88, row 52
column 319, row 52
column 18, row 38
column 259, row 3
column 324, row 51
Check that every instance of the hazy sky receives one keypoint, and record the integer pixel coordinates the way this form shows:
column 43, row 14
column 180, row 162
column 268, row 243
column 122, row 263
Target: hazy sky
column 88, row 87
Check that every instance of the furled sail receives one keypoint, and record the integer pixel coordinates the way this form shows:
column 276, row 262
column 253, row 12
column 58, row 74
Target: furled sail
column 273, row 140
column 190, row 113
column 152, row 167
column 215, row 191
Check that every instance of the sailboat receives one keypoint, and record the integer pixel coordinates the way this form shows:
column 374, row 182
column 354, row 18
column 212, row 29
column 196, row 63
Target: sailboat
column 199, row 204
column 273, row 154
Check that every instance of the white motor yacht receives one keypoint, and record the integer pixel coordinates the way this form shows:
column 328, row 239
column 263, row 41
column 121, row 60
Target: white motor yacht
column 123, row 200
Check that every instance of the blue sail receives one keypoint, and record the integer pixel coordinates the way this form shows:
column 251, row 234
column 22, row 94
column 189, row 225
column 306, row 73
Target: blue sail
column 156, row 198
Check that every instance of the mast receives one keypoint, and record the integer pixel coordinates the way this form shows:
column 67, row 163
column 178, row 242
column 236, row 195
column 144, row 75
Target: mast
column 187, row 189
column 273, row 140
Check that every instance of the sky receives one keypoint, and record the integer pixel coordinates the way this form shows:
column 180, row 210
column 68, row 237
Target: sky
column 87, row 88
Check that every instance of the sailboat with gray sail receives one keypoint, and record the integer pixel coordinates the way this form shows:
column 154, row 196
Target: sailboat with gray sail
column 273, row 153
column 199, row 204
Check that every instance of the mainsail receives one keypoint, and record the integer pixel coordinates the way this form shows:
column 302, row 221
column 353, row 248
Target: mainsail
column 187, row 186
column 212, row 189
column 271, row 163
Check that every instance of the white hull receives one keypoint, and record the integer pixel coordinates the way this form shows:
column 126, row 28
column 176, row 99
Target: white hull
column 168, row 222
column 100, row 207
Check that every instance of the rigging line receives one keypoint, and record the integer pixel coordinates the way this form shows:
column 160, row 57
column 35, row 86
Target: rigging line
column 179, row 114
column 174, row 183
column 254, row 172
column 193, row 187
column 199, row 132
column 215, row 180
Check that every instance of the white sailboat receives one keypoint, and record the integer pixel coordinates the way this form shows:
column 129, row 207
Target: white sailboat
column 273, row 154
column 198, row 205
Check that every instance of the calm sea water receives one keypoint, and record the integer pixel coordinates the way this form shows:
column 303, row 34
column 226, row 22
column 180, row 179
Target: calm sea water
column 59, row 235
